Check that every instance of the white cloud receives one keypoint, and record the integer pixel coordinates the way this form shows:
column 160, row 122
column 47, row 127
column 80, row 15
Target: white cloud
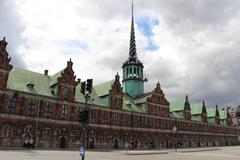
column 198, row 53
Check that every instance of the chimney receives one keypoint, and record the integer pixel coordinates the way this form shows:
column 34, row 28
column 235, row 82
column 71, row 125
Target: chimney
column 46, row 72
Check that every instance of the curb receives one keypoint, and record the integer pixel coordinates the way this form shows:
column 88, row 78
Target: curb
column 202, row 150
column 145, row 153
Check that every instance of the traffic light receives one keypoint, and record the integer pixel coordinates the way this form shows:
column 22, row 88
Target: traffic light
column 83, row 87
column 86, row 115
column 89, row 85
column 80, row 117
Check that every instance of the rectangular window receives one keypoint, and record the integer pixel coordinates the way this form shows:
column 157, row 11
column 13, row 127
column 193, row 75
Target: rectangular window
column 49, row 108
column 143, row 122
column 64, row 112
column 135, row 121
column 78, row 134
column 131, row 120
column 7, row 130
column 1, row 102
column 105, row 117
column 126, row 121
column 12, row 104
column 92, row 116
column 31, row 107
column 115, row 118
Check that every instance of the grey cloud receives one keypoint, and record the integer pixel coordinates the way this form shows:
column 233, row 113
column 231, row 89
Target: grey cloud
column 11, row 28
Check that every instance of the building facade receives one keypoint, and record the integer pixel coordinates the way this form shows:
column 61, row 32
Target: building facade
column 45, row 107
column 235, row 114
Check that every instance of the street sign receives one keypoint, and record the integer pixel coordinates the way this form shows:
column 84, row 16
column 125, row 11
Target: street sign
column 82, row 151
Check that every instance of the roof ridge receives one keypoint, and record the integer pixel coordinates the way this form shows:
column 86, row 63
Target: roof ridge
column 104, row 82
column 23, row 69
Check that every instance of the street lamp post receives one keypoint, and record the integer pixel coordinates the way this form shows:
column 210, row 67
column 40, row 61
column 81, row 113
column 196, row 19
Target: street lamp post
column 174, row 137
column 36, row 123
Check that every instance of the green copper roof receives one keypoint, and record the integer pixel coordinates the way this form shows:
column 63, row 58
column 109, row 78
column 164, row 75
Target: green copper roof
column 128, row 104
column 196, row 117
column 19, row 78
column 103, row 88
column 211, row 111
column 196, row 108
column 223, row 114
column 177, row 105
column 55, row 77
column 211, row 120
column 176, row 114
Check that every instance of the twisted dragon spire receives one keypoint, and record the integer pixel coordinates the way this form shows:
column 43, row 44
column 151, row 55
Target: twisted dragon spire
column 132, row 47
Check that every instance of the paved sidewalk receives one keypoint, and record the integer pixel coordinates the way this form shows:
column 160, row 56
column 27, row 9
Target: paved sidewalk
column 166, row 151
column 210, row 153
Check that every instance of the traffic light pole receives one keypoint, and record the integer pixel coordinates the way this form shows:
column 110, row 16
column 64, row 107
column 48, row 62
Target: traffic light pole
column 86, row 90
column 85, row 131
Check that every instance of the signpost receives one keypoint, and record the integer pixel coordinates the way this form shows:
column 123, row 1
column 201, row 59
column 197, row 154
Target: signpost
column 82, row 152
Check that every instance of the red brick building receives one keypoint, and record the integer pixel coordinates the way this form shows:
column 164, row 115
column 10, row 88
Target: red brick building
column 45, row 107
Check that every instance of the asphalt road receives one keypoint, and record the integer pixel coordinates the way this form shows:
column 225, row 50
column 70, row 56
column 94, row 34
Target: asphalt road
column 218, row 153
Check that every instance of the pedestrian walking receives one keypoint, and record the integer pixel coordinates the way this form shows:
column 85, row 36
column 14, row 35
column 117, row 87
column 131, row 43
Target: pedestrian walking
column 31, row 143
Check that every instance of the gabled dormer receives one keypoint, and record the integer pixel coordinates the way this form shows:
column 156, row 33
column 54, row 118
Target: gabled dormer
column 204, row 113
column 66, row 83
column 217, row 116
column 5, row 66
column 187, row 109
column 157, row 103
column 116, row 94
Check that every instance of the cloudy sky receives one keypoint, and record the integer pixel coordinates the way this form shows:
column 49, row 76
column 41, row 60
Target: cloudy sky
column 189, row 46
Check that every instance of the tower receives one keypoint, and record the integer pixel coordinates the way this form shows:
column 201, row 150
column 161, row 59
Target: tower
column 133, row 68
column 5, row 66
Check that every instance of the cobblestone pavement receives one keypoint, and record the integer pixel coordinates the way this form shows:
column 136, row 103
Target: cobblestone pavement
column 218, row 153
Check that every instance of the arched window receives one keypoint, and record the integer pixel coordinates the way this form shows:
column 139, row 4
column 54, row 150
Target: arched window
column 12, row 104
column 62, row 131
column 46, row 132
column 7, row 130
column 27, row 129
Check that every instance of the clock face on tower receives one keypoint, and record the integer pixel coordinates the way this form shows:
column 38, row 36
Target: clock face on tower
column 1, row 59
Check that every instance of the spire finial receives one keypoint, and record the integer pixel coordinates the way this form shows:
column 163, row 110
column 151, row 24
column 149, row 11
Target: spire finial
column 132, row 7
column 132, row 48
